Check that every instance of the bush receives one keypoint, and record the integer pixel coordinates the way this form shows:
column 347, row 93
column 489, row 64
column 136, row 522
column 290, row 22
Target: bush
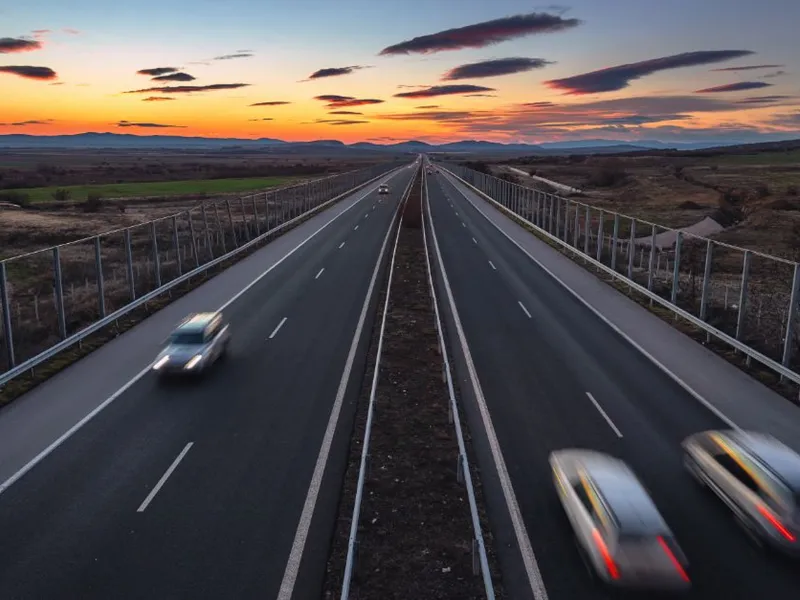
column 18, row 198
column 689, row 205
column 607, row 177
column 93, row 204
column 62, row 195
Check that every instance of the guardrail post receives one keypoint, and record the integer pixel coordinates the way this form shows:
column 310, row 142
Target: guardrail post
column 194, row 239
column 704, row 290
column 209, row 244
column 6, row 306
column 567, row 222
column 176, row 239
column 536, row 207
column 614, row 238
column 57, row 281
column 557, row 202
column 676, row 270
column 743, row 295
column 98, row 266
column 576, row 233
column 129, row 265
column 245, row 224
column 268, row 226
column 790, row 319
column 631, row 249
column 587, row 230
column 156, row 261
column 652, row 261
column 233, row 225
column 256, row 218
column 600, row 235
column 550, row 212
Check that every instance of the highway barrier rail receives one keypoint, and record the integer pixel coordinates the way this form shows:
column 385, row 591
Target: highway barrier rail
column 53, row 298
column 743, row 298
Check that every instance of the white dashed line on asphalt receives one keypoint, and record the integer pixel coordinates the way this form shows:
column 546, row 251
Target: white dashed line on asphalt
column 474, row 241
column 278, row 328
column 320, row 273
column 356, row 227
column 491, row 264
column 522, row 306
column 164, row 478
column 605, row 416
column 342, row 244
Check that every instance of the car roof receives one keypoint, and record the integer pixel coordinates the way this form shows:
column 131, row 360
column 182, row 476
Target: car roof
column 197, row 322
column 782, row 461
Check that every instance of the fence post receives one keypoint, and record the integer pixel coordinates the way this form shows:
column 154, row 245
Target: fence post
column 233, row 225
column 98, row 265
column 743, row 294
column 614, row 238
column 676, row 270
column 631, row 249
column 156, row 261
column 62, row 317
column 245, row 224
column 652, row 260
column 600, row 236
column 6, row 306
column 177, row 240
column 255, row 217
column 557, row 202
column 706, row 281
column 587, row 230
column 577, row 232
column 194, row 239
column 790, row 318
column 208, row 232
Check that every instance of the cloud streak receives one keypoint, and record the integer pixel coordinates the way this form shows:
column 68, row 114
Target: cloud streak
column 189, row 89
column 764, row 99
column 620, row 77
column 16, row 45
column 28, row 72
column 481, row 35
column 494, row 68
column 444, row 90
column 157, row 71
column 335, row 72
column 337, row 101
column 149, row 125
column 175, row 77
column 749, row 68
column 739, row 86
column 345, row 112
column 339, row 122
column 233, row 56
column 157, row 99
column 261, row 119
column 271, row 103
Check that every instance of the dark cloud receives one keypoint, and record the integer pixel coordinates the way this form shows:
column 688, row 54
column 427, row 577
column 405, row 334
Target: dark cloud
column 444, row 115
column 495, row 68
column 538, row 104
column 157, row 99
column 739, row 86
column 773, row 75
column 188, row 89
column 335, row 72
column 232, row 56
column 764, row 99
column 149, row 125
column 157, row 71
column 339, row 122
column 427, row 106
column 337, row 101
column 262, row 119
column 481, row 96
column 31, row 122
column 175, row 77
column 271, row 103
column 56, row 83
column 444, row 90
column 345, row 112
column 483, row 34
column 791, row 119
column 617, row 78
column 14, row 45
column 40, row 73
column 749, row 68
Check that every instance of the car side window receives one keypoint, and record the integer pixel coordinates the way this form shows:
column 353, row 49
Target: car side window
column 212, row 330
column 734, row 468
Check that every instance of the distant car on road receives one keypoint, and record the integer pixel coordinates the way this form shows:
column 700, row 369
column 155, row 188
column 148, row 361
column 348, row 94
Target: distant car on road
column 197, row 343
column 620, row 533
column 757, row 477
column 383, row 188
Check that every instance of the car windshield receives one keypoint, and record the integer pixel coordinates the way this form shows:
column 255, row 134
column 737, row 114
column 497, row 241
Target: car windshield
column 186, row 338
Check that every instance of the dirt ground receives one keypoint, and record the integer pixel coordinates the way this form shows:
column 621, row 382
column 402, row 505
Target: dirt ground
column 415, row 532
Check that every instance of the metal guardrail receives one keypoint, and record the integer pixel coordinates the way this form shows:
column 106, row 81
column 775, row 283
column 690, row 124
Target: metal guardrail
column 106, row 300
column 570, row 224
column 478, row 544
column 352, row 541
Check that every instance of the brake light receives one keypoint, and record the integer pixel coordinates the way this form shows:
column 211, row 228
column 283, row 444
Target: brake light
column 678, row 567
column 767, row 514
column 601, row 545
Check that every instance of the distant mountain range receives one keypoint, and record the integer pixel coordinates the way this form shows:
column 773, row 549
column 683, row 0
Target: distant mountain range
column 118, row 141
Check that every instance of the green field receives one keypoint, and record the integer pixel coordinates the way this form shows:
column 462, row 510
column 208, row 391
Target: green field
column 762, row 158
column 79, row 193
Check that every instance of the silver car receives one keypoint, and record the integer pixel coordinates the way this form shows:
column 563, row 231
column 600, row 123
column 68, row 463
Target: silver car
column 383, row 188
column 620, row 533
column 757, row 477
column 197, row 343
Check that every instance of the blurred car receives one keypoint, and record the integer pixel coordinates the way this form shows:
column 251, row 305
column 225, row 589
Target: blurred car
column 383, row 188
column 620, row 533
column 757, row 477
column 197, row 343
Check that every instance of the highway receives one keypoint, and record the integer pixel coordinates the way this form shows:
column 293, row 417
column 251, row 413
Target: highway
column 198, row 489
column 553, row 376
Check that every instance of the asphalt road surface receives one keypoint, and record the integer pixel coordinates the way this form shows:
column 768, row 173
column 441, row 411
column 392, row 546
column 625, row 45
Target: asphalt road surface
column 555, row 376
column 195, row 490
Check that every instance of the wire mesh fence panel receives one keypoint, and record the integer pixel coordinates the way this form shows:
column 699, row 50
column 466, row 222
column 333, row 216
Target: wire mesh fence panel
column 79, row 284
column 142, row 260
column 769, row 288
column 116, row 291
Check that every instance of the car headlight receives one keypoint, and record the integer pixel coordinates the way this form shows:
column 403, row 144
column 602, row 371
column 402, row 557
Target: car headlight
column 192, row 363
column 161, row 362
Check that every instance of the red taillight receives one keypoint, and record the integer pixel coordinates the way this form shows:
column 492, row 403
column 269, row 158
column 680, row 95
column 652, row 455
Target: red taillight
column 767, row 514
column 678, row 567
column 613, row 571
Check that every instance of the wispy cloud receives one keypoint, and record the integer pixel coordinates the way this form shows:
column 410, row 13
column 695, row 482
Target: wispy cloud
column 71, row 31
column 271, row 103
column 28, row 72
column 149, row 125
column 31, row 122
column 157, row 71
column 345, row 112
column 494, row 68
column 233, row 56
column 481, row 96
column 618, row 78
column 340, row 122
column 749, row 68
column 15, row 45
column 157, row 99
column 444, row 90
column 765, row 99
column 175, row 77
column 261, row 119
column 427, row 106
column 189, row 89
column 56, row 83
column 739, row 86
column 335, row 72
column 791, row 119
column 481, row 35
column 773, row 75
column 337, row 101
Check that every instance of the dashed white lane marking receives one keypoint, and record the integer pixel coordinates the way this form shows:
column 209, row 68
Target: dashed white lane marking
column 491, row 264
column 522, row 306
column 320, row 273
column 164, row 478
column 278, row 328
column 474, row 241
column 605, row 416
column 342, row 244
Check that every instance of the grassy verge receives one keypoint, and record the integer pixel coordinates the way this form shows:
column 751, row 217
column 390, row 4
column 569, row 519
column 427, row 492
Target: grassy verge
column 155, row 188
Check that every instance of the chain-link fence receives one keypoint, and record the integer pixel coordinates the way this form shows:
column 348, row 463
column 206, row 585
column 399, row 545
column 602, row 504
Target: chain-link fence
column 51, row 294
column 750, row 296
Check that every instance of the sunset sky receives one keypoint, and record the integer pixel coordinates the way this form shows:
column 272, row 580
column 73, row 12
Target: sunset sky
column 388, row 70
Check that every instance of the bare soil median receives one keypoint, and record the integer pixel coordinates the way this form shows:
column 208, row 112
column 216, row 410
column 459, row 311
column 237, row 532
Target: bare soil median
column 415, row 532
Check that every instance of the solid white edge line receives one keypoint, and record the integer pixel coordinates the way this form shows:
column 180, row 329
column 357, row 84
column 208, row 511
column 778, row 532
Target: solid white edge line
column 278, row 328
column 491, row 264
column 605, row 416
column 320, row 273
column 661, row 366
column 164, row 478
column 522, row 306
column 126, row 386
column 304, row 525
column 523, row 541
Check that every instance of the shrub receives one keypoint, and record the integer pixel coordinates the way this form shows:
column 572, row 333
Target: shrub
column 93, row 204
column 607, row 177
column 62, row 195
column 18, row 198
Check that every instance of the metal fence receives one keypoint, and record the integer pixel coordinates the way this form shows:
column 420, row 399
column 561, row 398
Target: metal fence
column 55, row 295
column 745, row 298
